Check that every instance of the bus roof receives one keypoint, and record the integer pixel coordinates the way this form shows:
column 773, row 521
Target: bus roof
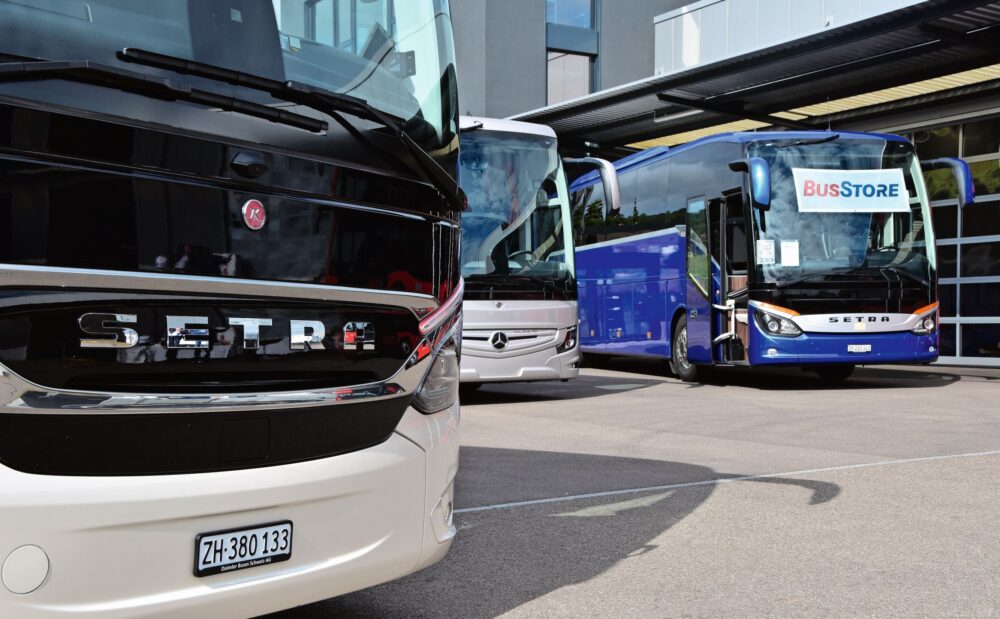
column 467, row 123
column 636, row 160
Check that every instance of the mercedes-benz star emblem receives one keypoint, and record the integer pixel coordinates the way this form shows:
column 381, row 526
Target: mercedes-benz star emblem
column 498, row 340
column 254, row 215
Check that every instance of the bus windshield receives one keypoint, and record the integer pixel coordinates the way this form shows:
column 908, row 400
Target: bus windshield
column 797, row 240
column 517, row 222
column 395, row 54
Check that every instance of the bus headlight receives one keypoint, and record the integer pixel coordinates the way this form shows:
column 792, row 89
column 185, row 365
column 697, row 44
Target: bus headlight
column 440, row 387
column 927, row 323
column 773, row 324
column 569, row 342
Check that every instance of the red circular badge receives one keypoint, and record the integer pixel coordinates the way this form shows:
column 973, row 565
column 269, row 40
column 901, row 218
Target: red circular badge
column 254, row 215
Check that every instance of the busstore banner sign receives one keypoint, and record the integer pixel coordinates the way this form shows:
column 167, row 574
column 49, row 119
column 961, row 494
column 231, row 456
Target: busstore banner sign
column 851, row 191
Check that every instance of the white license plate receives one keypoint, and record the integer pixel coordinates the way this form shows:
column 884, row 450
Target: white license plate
column 859, row 348
column 239, row 549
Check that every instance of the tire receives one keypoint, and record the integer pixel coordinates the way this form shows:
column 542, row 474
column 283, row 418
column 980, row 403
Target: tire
column 834, row 372
column 684, row 369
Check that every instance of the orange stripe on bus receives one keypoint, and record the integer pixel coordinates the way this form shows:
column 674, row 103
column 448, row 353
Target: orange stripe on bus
column 927, row 308
column 777, row 308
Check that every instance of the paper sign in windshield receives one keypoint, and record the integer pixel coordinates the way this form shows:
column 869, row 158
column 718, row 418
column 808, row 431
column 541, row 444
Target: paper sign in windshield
column 789, row 253
column 851, row 191
column 765, row 251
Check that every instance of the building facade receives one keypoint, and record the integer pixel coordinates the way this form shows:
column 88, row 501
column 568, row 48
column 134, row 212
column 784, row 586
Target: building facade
column 519, row 55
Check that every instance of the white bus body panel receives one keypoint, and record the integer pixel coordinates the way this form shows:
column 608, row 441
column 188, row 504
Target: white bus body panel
column 533, row 330
column 123, row 546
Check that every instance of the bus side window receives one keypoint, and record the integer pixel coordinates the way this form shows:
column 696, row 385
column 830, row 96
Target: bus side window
column 715, row 215
column 588, row 214
column 622, row 224
column 652, row 211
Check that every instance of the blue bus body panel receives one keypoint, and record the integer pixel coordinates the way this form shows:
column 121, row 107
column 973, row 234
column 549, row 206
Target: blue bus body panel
column 642, row 281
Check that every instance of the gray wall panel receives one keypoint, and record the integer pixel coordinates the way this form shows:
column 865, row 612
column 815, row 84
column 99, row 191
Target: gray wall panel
column 626, row 52
column 714, row 23
column 502, row 52
column 515, row 56
column 468, row 19
column 742, row 26
column 772, row 22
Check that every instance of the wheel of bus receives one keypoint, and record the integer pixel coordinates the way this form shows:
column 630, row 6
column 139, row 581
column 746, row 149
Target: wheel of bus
column 835, row 372
column 684, row 369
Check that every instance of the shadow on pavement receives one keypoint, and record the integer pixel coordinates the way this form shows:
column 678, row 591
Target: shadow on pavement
column 503, row 558
column 575, row 389
column 797, row 379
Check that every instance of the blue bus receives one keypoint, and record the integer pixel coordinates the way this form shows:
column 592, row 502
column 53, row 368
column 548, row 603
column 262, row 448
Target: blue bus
column 811, row 249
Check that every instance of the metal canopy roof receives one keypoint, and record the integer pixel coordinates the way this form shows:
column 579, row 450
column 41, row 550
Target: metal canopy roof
column 936, row 49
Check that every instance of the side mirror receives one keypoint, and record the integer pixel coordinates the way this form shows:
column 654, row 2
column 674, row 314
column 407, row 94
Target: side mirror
column 609, row 176
column 963, row 176
column 760, row 180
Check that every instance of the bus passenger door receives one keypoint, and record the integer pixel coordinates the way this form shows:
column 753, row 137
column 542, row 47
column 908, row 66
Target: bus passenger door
column 730, row 251
column 699, row 282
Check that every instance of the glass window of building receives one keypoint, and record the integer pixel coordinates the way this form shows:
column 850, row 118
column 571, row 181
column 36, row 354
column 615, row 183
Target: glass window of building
column 937, row 142
column 577, row 13
column 968, row 240
column 569, row 76
column 354, row 26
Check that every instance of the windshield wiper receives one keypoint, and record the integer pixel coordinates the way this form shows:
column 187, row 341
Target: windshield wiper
column 151, row 86
column 823, row 140
column 326, row 101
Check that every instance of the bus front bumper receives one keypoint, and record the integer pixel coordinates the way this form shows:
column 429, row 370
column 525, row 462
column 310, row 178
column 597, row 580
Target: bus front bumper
column 544, row 364
column 841, row 348
column 124, row 546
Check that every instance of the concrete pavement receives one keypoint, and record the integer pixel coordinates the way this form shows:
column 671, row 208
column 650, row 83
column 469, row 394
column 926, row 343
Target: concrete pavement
column 760, row 494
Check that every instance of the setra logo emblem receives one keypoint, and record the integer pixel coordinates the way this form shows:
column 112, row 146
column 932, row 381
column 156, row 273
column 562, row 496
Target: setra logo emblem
column 498, row 340
column 254, row 214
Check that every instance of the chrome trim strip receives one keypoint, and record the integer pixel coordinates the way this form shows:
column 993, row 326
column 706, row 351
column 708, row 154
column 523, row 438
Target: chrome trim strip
column 20, row 396
column 15, row 275
column 860, row 323
column 436, row 318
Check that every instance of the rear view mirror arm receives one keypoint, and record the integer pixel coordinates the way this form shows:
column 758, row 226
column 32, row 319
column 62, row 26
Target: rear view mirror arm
column 609, row 176
column 962, row 173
